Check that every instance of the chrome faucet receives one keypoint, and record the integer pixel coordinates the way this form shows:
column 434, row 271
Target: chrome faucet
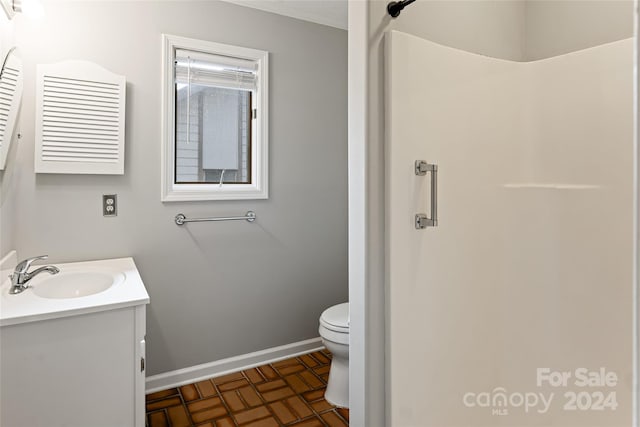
column 21, row 276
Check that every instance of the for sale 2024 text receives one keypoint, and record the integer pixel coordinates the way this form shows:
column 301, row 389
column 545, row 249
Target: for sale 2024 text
column 585, row 379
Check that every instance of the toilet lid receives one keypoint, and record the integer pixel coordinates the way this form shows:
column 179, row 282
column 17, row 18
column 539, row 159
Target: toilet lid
column 336, row 318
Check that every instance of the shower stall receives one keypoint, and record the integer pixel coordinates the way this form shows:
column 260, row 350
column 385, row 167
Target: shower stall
column 527, row 273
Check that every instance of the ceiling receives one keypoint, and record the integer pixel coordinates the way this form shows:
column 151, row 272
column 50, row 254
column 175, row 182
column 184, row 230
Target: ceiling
column 326, row 12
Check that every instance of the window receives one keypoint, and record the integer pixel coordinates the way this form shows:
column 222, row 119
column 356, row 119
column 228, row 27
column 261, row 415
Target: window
column 215, row 112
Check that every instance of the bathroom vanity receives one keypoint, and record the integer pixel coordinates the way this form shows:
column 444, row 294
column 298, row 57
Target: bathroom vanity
column 72, row 347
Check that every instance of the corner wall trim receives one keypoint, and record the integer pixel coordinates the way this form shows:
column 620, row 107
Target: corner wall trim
column 232, row 364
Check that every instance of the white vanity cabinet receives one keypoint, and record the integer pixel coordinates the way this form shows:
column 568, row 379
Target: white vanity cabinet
column 80, row 367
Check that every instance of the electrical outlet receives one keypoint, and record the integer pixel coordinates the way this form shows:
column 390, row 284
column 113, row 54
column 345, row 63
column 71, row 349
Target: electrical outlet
column 109, row 204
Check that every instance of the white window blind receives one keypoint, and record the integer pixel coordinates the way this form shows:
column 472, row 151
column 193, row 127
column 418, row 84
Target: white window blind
column 192, row 67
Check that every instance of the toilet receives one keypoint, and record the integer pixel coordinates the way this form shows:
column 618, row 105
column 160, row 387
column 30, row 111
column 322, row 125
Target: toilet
column 334, row 331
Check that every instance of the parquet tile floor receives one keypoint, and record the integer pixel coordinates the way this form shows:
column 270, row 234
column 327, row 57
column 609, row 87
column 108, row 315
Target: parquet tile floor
column 285, row 393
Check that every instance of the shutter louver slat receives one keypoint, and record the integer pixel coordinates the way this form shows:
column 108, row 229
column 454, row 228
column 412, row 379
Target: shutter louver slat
column 79, row 109
column 59, row 84
column 80, row 82
column 84, row 102
column 76, row 142
column 55, row 111
column 78, row 118
column 81, row 120
column 53, row 124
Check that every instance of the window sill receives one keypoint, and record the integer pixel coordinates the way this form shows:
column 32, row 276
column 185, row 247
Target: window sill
column 200, row 192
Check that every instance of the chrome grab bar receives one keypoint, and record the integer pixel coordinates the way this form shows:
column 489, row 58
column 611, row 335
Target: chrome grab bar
column 250, row 216
column 422, row 221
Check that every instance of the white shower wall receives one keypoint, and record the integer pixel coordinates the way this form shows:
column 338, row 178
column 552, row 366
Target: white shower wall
column 530, row 266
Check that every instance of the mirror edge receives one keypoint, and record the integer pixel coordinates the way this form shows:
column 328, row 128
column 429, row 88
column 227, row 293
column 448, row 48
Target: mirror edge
column 14, row 108
column 7, row 6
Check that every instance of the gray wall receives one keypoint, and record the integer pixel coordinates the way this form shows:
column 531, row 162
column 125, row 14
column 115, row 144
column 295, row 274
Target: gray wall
column 555, row 27
column 217, row 289
column 519, row 30
column 488, row 27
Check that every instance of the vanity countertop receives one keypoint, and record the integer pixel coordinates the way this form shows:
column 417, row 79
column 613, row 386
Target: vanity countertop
column 127, row 290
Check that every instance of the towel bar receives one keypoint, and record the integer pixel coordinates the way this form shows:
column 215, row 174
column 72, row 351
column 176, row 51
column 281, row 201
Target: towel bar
column 250, row 216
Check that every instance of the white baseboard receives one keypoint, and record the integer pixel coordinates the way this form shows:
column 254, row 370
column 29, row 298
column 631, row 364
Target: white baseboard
column 232, row 364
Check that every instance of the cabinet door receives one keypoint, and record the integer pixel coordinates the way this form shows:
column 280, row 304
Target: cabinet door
column 74, row 371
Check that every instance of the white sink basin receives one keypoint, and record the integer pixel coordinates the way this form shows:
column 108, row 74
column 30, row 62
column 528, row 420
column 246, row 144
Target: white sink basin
column 74, row 284
column 80, row 288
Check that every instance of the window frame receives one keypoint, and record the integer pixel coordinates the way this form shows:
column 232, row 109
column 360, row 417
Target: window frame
column 258, row 188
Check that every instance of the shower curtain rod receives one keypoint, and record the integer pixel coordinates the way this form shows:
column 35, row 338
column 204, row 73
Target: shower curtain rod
column 395, row 7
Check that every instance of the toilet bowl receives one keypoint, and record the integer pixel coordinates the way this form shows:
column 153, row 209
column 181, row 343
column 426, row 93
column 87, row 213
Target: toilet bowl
column 334, row 331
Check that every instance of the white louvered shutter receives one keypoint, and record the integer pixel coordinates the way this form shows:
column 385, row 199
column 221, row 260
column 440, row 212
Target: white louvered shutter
column 80, row 110
column 10, row 97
